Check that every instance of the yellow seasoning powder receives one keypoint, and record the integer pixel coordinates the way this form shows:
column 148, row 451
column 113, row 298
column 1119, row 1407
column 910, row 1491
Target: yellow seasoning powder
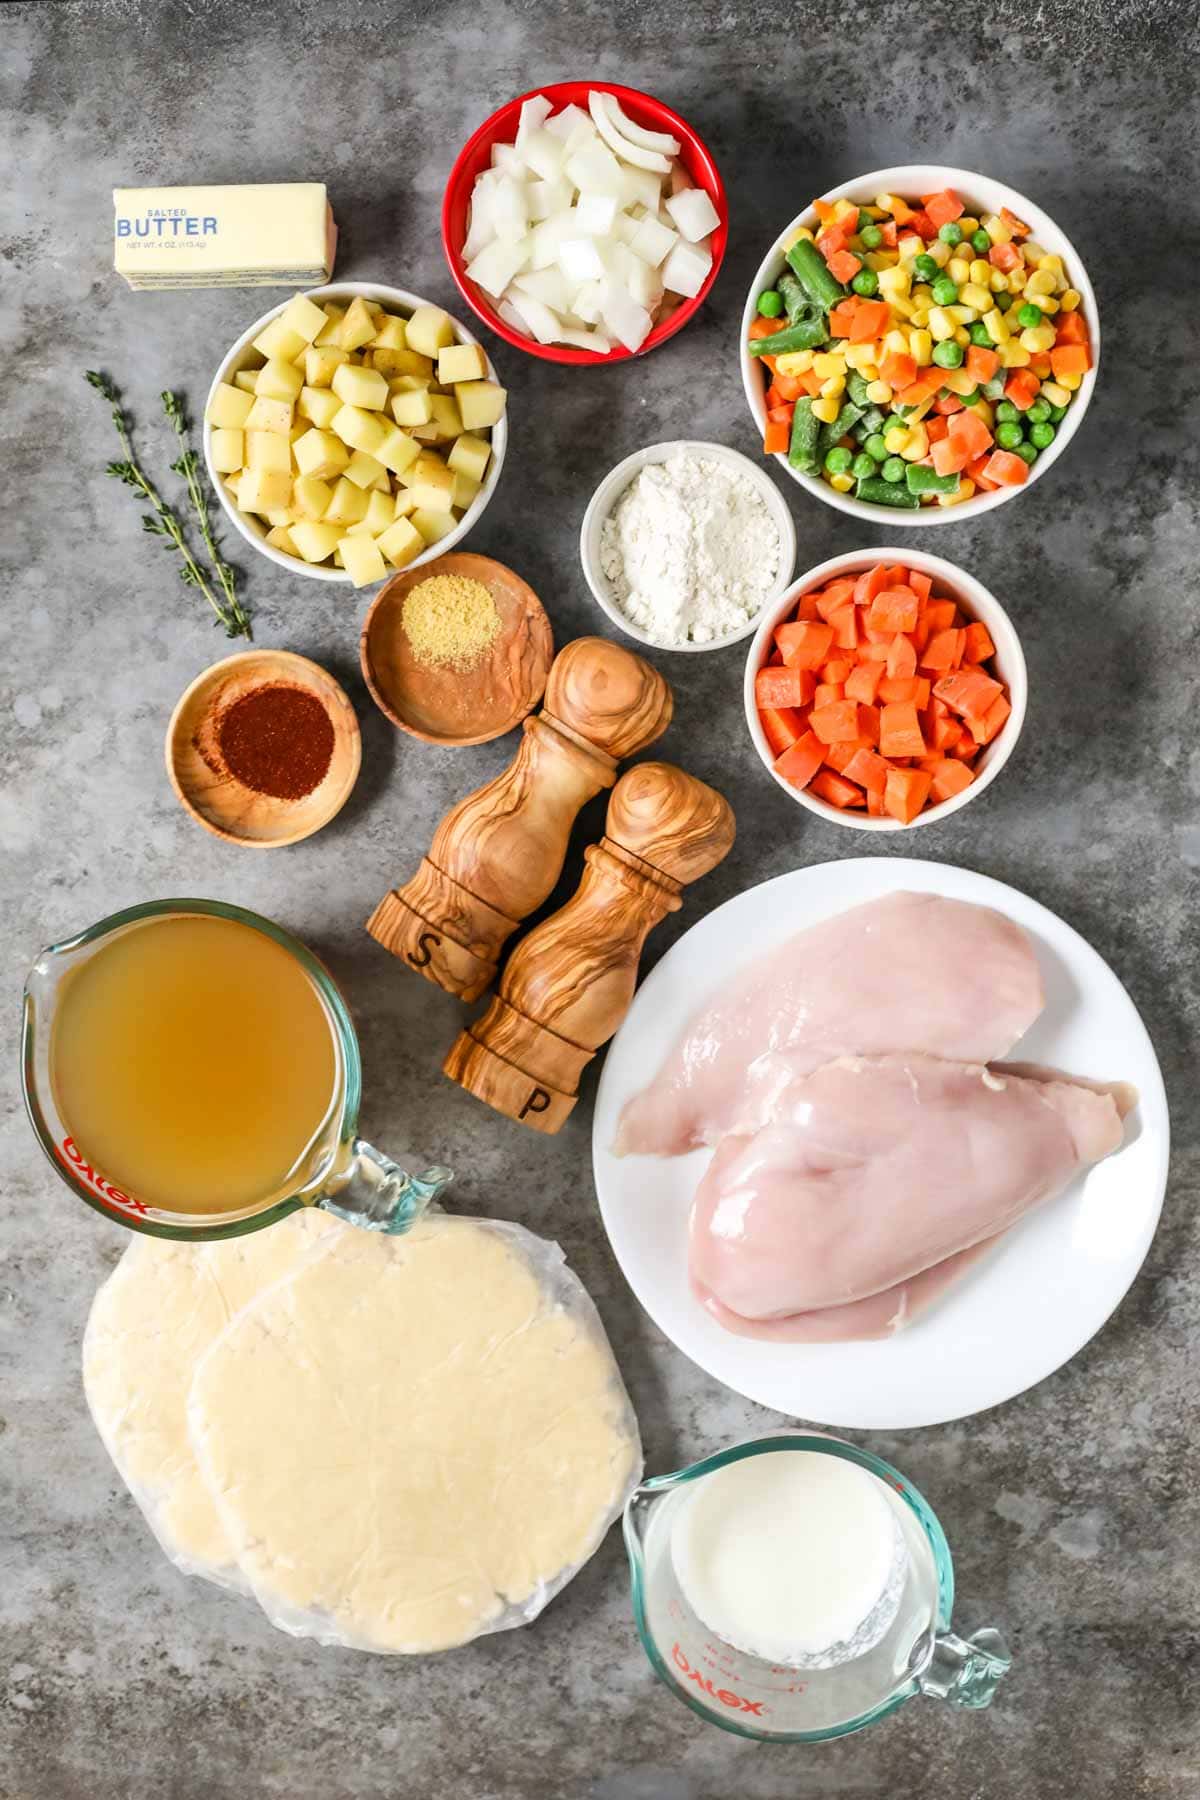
column 450, row 619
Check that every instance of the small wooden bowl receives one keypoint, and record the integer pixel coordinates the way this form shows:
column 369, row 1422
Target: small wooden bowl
column 441, row 704
column 215, row 798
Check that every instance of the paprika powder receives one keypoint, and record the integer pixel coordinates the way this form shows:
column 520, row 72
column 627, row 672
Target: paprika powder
column 277, row 740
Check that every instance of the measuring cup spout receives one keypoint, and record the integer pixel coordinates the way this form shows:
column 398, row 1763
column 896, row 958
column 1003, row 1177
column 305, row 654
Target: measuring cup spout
column 374, row 1192
column 966, row 1671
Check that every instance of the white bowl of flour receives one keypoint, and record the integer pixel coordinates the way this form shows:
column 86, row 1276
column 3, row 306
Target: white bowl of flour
column 684, row 544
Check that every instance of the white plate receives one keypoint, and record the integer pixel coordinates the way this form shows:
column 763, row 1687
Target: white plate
column 1025, row 1311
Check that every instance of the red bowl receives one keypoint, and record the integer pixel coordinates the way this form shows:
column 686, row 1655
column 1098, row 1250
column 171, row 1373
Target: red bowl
column 501, row 128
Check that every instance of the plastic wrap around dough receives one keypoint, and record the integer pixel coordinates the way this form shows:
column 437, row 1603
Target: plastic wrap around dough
column 414, row 1440
column 159, row 1310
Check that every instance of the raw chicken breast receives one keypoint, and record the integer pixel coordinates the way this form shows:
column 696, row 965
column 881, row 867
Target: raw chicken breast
column 906, row 972
column 872, row 1171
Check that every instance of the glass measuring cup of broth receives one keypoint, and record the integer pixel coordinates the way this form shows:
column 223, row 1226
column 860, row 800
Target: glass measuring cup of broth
column 796, row 1589
column 191, row 1070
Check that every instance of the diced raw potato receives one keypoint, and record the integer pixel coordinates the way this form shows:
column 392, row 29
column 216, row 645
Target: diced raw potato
column 541, row 320
column 268, row 450
column 622, row 316
column 429, row 330
column 232, row 483
column 446, row 421
column 284, row 515
column 279, row 340
column 320, row 366
column 358, row 327
column 408, row 384
column 333, row 322
column 463, row 492
column 280, row 538
column 545, row 198
column 510, row 210
column 595, row 214
column 348, row 505
column 402, row 362
column 497, row 263
column 246, row 379
column 362, row 560
column 481, row 404
column 432, row 524
column 432, row 499
column 395, row 449
column 629, row 152
column 392, row 334
column 412, row 408
column 380, row 513
column 686, row 270
column 264, row 490
column 228, row 449
column 315, row 540
column 269, row 415
column 544, row 154
column 693, row 212
column 304, row 317
column 402, row 504
column 400, row 543
column 320, row 453
column 580, row 261
column 361, row 430
column 586, row 303
column 363, row 470
column 594, row 170
column 470, row 456
column 279, row 380
column 547, row 285
column 299, row 427
column 461, row 362
column 534, row 114
column 319, row 405
column 586, row 340
column 640, row 188
column 357, row 386
column 652, row 241
column 229, row 406
column 568, row 120
column 311, row 496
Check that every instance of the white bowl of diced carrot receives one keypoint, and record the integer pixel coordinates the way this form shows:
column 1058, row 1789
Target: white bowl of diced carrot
column 987, row 473
column 886, row 688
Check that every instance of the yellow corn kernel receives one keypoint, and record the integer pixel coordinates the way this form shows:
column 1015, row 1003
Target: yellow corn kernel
column 833, row 387
column 998, row 281
column 825, row 410
column 880, row 392
column 966, row 488
column 873, row 212
column 967, row 224
column 894, row 281
column 1034, row 254
column 921, row 294
column 1043, row 302
column 794, row 362
column 975, row 294
column 1016, row 281
column 1070, row 300
column 828, row 362
column 895, row 439
column 1053, row 263
column 963, row 315
column 1013, row 355
column 1041, row 282
column 857, row 355
column 909, row 248
column 881, row 259
column 997, row 330
column 959, row 382
column 886, row 202
column 1070, row 382
column 902, row 307
column 920, row 317
column 962, row 336
column 996, row 229
column 941, row 325
column 917, row 445
column 845, row 209
column 1037, row 337
column 841, row 484
column 895, row 343
column 983, row 410
column 920, row 348
column 941, row 253
column 959, row 269
column 1057, row 395
column 981, row 271
column 917, row 413
column 869, row 372
column 801, row 235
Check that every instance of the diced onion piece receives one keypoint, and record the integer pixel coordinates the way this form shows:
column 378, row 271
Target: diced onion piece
column 545, row 198
column 510, row 210
column 594, row 170
column 686, row 270
column 550, row 286
column 638, row 134
column 640, row 188
column 586, row 340
column 534, row 114
column 548, row 235
column 596, row 214
column 586, row 303
column 480, row 230
column 625, row 228
column 496, row 265
column 630, row 153
column 623, row 316
column 541, row 320
column 512, row 318
column 564, row 122
column 506, row 160
column 544, row 154
column 580, row 261
column 651, row 241
column 694, row 213
column 644, row 283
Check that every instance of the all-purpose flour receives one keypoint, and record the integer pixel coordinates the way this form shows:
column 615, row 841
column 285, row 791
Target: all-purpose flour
column 690, row 551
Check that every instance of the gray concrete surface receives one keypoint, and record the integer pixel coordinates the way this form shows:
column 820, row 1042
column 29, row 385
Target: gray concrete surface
column 1075, row 1510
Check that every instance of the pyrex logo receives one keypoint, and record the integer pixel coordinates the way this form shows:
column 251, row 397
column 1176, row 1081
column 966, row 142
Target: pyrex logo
column 171, row 223
column 99, row 1183
column 735, row 1702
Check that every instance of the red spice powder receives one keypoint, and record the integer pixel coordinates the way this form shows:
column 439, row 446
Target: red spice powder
column 277, row 740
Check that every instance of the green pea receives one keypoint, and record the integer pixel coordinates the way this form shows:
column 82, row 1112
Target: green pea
column 865, row 222
column 1003, row 300
column 1009, row 436
column 1057, row 413
column 893, row 469
column 948, row 355
column 1006, row 411
column 838, row 460
column 979, row 334
column 1027, row 452
column 951, row 233
column 980, row 241
column 866, row 282
column 863, row 467
column 1041, row 434
column 1029, row 315
column 871, row 236
column 1039, row 412
column 945, row 291
column 875, row 447
column 770, row 304
column 925, row 268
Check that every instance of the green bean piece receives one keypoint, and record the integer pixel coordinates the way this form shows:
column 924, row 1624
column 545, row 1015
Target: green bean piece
column 846, row 420
column 994, row 389
column 886, row 493
column 770, row 304
column 806, row 427
column 813, row 271
column 794, row 298
column 871, row 422
column 805, row 335
column 922, row 480
column 856, row 387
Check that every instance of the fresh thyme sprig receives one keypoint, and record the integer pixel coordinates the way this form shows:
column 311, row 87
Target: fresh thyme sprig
column 188, row 466
column 162, row 522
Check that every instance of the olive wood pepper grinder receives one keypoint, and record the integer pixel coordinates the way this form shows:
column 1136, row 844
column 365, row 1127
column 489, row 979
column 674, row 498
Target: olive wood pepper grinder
column 497, row 855
column 568, row 985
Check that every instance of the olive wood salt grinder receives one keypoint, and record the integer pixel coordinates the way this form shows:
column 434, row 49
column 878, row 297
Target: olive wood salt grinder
column 568, row 985
column 496, row 856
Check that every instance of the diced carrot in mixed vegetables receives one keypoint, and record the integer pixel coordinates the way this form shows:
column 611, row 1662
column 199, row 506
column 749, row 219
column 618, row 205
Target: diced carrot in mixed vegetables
column 880, row 693
column 893, row 321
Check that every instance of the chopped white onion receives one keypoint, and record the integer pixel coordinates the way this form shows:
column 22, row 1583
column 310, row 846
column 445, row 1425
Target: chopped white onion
column 638, row 134
column 645, row 284
column 640, row 188
column 496, row 265
column 587, row 340
column 563, row 123
column 548, row 197
column 686, row 270
column 550, row 286
column 586, row 303
column 630, row 153
column 596, row 214
column 544, row 153
column 623, row 316
column 510, row 210
column 594, row 170
column 505, row 158
column 694, row 213
column 548, row 235
column 580, row 261
column 542, row 321
column 534, row 114
column 651, row 241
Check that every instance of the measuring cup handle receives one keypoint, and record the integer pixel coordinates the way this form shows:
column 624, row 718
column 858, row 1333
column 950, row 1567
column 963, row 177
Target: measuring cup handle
column 966, row 1671
column 376, row 1193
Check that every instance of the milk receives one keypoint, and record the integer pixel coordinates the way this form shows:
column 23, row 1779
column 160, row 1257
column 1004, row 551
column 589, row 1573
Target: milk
column 795, row 1557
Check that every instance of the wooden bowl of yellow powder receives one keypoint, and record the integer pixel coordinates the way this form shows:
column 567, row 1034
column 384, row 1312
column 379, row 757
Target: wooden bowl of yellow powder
column 457, row 651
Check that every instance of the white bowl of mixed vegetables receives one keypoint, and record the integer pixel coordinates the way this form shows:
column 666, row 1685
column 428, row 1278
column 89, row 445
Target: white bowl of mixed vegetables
column 919, row 345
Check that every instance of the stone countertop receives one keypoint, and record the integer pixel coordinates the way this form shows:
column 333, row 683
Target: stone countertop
column 1074, row 1511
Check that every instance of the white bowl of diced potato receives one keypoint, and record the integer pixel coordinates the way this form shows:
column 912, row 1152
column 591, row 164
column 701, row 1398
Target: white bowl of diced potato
column 353, row 431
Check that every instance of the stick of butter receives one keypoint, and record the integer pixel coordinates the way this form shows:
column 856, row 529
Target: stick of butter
column 277, row 234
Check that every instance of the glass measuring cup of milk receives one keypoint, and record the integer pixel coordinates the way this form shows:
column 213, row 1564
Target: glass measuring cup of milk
column 796, row 1588
column 191, row 1070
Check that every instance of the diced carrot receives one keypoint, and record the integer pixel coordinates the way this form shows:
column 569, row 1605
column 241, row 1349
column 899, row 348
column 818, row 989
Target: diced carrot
column 949, row 777
column 923, row 224
column 944, row 207
column 1070, row 359
column 837, row 669
column 1018, row 227
column 901, row 657
column 841, row 317
column 838, row 755
column 905, row 793
column 1005, row 256
column 985, row 729
column 969, row 692
column 1070, row 328
column 944, row 651
column 836, row 722
column 890, row 234
column 782, row 727
column 875, row 648
column 777, row 437
column 838, row 594
column 867, row 769
column 1041, row 365
column 925, row 384
column 845, row 627
column 940, row 615
column 828, row 692
column 800, row 762
column 1022, row 389
column 936, row 429
column 893, row 609
column 837, row 790
column 981, row 363
column 898, row 369
column 1006, row 469
column 824, row 209
column 921, row 585
column 949, row 458
column 869, row 583
column 808, row 641
column 787, row 387
column 977, row 471
column 978, row 646
column 900, row 731
column 905, row 687
column 871, row 320
column 966, row 748
column 943, row 733
column 807, row 608
column 945, row 404
column 830, row 238
column 868, row 726
column 874, row 804
column 843, row 265
column 969, row 433
column 760, row 327
column 863, row 683
column 784, row 687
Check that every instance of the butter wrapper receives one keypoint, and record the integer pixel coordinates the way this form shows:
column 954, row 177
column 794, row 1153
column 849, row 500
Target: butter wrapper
column 271, row 234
